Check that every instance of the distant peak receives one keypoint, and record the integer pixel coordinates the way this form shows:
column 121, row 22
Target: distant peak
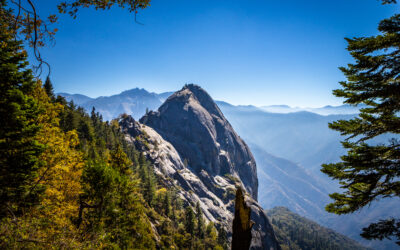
column 134, row 91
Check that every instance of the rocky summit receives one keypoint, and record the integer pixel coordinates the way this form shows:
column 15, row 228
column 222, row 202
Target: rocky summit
column 192, row 122
column 195, row 150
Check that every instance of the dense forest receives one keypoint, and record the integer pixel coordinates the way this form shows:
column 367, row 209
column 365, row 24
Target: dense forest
column 296, row 232
column 69, row 179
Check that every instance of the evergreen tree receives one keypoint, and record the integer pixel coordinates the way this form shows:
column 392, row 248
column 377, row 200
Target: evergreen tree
column 94, row 117
column 69, row 119
column 189, row 221
column 48, row 87
column 200, row 221
column 222, row 237
column 19, row 147
column 370, row 172
column 147, row 177
column 85, row 131
column 167, row 204
column 114, row 206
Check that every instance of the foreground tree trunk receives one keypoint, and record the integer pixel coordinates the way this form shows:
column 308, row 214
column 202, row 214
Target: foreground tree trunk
column 241, row 236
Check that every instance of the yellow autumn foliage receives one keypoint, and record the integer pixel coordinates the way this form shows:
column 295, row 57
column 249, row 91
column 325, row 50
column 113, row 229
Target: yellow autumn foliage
column 50, row 223
column 61, row 174
column 161, row 191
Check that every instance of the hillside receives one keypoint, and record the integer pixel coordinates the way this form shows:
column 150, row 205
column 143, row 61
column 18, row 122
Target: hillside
column 289, row 149
column 284, row 183
column 192, row 142
column 296, row 232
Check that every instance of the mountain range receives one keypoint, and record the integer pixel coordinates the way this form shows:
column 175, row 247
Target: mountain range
column 288, row 148
column 326, row 110
column 134, row 102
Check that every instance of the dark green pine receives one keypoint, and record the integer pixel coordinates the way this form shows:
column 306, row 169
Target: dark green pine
column 369, row 171
column 19, row 150
column 48, row 87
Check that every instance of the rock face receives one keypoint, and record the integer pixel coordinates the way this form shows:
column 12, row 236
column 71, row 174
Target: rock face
column 194, row 149
column 192, row 122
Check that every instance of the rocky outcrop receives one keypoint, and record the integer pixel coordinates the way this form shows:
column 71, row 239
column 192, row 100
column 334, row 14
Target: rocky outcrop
column 194, row 149
column 192, row 122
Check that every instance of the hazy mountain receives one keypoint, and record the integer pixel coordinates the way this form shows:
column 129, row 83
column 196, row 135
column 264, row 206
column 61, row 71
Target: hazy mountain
column 296, row 232
column 326, row 110
column 134, row 102
column 286, row 184
column 304, row 141
column 164, row 96
column 77, row 98
column 301, row 137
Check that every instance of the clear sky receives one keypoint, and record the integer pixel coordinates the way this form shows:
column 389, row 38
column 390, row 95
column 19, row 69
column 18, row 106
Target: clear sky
column 241, row 51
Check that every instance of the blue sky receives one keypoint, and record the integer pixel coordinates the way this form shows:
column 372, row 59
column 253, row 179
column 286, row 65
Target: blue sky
column 243, row 52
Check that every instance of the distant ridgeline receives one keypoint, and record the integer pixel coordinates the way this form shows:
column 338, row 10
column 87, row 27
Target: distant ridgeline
column 134, row 102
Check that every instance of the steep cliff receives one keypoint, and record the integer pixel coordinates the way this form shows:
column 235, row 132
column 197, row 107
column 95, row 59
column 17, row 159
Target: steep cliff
column 192, row 122
column 194, row 148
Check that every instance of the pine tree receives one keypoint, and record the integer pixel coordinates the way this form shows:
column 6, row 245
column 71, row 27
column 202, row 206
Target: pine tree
column 69, row 119
column 167, row 204
column 111, row 204
column 200, row 221
column 189, row 221
column 148, row 180
column 19, row 112
column 94, row 117
column 222, row 237
column 86, row 131
column 370, row 171
column 48, row 86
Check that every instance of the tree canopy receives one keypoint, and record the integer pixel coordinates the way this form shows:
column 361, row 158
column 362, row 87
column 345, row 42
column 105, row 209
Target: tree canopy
column 370, row 171
column 19, row 112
